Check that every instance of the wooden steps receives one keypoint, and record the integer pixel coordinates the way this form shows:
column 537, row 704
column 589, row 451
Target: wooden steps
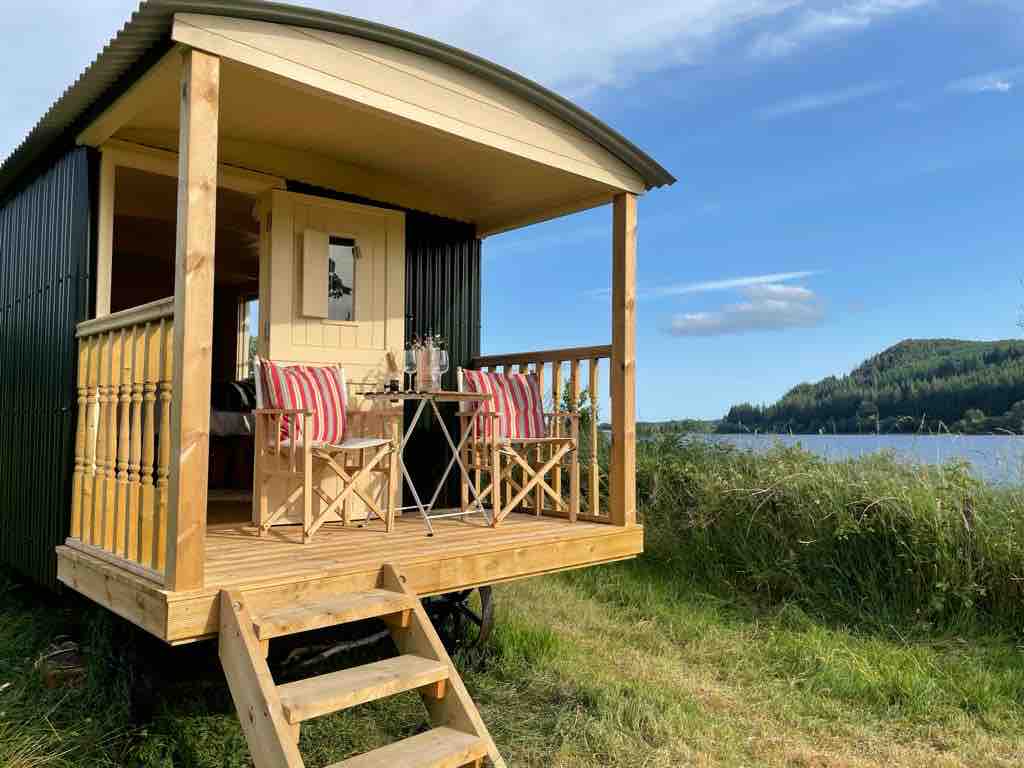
column 271, row 715
column 341, row 609
column 437, row 748
column 316, row 696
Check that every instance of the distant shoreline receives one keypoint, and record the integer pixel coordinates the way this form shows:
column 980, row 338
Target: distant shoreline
column 830, row 434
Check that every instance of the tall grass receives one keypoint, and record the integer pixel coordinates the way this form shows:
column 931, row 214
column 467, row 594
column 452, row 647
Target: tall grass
column 871, row 540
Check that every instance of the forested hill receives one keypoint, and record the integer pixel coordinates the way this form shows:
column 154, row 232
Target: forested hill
column 966, row 386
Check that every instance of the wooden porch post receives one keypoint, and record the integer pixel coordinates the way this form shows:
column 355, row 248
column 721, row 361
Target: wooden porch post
column 193, row 319
column 622, row 483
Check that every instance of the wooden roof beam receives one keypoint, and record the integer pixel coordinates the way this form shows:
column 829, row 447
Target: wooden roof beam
column 141, row 94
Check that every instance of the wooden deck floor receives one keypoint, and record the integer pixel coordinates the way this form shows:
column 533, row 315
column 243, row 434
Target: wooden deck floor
column 278, row 569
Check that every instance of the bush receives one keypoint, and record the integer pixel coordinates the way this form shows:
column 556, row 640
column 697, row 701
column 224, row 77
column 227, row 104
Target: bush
column 869, row 540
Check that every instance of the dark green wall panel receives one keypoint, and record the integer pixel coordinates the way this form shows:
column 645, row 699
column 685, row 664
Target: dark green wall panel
column 45, row 238
column 442, row 296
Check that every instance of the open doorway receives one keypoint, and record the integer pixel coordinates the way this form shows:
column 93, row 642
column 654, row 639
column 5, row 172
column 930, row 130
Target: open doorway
column 143, row 256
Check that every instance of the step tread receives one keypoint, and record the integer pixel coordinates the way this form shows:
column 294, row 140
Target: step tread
column 439, row 748
column 339, row 609
column 322, row 695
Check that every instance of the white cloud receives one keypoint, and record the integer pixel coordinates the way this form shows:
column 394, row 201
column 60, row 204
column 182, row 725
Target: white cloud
column 732, row 283
column 573, row 45
column 769, row 307
column 775, row 291
column 812, row 102
column 1002, row 81
column 812, row 25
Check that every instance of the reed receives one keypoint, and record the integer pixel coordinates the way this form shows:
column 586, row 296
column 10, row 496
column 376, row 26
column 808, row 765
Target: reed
column 873, row 540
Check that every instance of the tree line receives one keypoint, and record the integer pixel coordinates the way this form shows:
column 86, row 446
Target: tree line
column 914, row 386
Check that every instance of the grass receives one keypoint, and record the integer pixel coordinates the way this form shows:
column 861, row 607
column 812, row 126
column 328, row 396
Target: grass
column 614, row 666
column 788, row 613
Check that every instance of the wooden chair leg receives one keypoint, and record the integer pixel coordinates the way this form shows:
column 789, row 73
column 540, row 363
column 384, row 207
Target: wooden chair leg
column 538, row 495
column 346, row 510
column 574, row 473
column 391, row 491
column 307, row 481
column 351, row 486
column 478, row 458
column 257, row 430
column 394, row 473
column 496, row 483
column 536, row 477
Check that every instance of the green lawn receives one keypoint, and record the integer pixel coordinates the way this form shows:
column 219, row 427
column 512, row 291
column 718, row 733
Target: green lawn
column 613, row 666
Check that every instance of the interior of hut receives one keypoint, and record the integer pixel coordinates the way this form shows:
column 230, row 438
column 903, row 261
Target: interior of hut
column 145, row 208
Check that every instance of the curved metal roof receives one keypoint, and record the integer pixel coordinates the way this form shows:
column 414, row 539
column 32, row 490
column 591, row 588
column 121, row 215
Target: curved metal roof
column 149, row 29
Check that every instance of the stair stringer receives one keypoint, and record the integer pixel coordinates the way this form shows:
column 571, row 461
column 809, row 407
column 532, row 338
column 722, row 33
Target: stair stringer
column 272, row 741
column 456, row 709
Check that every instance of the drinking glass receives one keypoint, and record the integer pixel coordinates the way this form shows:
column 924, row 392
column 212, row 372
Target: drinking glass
column 410, row 364
column 438, row 366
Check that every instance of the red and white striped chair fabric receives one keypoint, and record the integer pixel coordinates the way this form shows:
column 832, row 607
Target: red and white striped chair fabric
column 319, row 389
column 515, row 397
column 301, row 429
column 510, row 438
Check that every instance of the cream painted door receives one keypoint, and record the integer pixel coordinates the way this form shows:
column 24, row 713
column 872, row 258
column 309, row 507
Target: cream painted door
column 291, row 283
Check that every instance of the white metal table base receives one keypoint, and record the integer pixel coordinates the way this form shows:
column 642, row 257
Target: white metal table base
column 477, row 506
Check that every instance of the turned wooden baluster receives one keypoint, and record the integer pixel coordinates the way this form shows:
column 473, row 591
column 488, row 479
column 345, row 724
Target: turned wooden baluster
column 134, row 505
column 112, row 370
column 574, row 463
column 153, row 336
column 538, row 494
column 90, row 525
column 99, row 497
column 595, row 470
column 123, row 380
column 163, row 470
column 556, row 423
column 77, row 521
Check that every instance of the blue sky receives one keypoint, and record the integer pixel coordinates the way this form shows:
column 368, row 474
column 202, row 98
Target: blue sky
column 873, row 167
column 849, row 174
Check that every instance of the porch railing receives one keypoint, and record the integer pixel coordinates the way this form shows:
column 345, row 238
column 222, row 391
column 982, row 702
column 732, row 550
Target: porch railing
column 561, row 376
column 122, row 442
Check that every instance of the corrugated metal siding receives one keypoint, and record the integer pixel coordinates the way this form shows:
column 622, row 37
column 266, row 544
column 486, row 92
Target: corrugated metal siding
column 45, row 236
column 442, row 285
column 442, row 296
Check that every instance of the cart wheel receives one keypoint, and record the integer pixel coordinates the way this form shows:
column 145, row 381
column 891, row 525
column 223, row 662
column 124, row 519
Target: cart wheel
column 461, row 620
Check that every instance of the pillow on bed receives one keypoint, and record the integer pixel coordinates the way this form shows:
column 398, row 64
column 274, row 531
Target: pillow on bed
column 233, row 396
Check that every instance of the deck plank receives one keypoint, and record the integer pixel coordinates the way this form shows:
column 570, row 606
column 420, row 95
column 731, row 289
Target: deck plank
column 236, row 556
column 279, row 569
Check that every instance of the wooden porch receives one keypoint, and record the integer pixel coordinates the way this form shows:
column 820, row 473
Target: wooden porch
column 148, row 540
column 122, row 515
column 280, row 570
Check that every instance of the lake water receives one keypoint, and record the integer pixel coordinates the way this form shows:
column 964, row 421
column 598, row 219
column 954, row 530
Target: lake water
column 996, row 458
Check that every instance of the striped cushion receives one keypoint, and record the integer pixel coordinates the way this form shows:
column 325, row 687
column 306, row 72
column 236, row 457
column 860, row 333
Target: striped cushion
column 316, row 388
column 515, row 397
